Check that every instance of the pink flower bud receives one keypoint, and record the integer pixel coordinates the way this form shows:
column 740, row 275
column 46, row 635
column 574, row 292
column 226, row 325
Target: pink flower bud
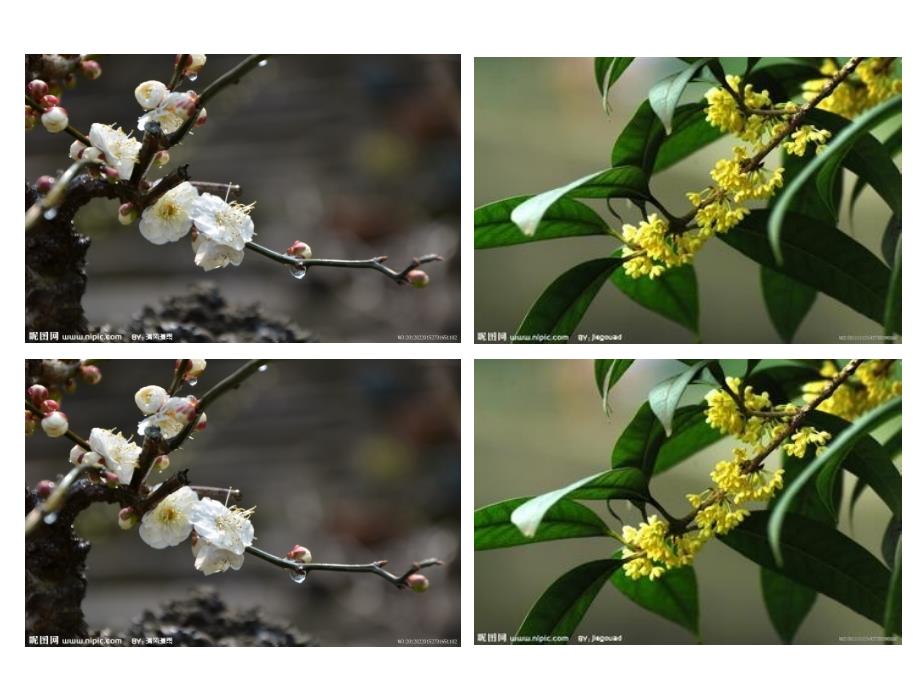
column 44, row 184
column 127, row 213
column 110, row 172
column 90, row 372
column 417, row 278
column 91, row 69
column 194, row 63
column 31, row 423
column 55, row 120
column 195, row 369
column 299, row 250
column 299, row 553
column 37, row 89
column 31, row 118
column 417, row 582
column 202, row 117
column 37, row 393
column 49, row 406
column 49, row 101
column 202, row 422
column 127, row 517
column 44, row 488
column 55, row 424
column 110, row 478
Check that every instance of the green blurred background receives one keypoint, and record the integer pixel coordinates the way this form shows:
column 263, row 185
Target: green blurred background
column 539, row 426
column 540, row 124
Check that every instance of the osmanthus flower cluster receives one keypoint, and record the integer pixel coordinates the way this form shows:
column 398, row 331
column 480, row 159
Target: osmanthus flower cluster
column 873, row 81
column 654, row 547
column 873, row 385
column 736, row 181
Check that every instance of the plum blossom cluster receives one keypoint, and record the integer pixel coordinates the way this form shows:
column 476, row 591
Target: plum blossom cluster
column 45, row 94
column 654, row 246
column 874, row 80
column 45, row 402
column 874, row 383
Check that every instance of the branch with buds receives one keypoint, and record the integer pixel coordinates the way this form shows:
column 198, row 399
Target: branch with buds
column 170, row 421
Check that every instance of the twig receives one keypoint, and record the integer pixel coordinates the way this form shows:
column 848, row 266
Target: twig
column 221, row 189
column 178, row 71
column 76, row 438
column 376, row 264
column 796, row 120
column 70, row 129
column 55, row 195
column 231, row 77
column 56, row 500
column 178, row 376
column 217, row 492
column 376, row 567
column 229, row 383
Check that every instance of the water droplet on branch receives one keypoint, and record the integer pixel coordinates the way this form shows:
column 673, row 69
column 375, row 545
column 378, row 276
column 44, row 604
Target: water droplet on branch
column 50, row 518
column 193, row 382
column 192, row 77
column 51, row 214
column 298, row 271
column 264, row 367
column 297, row 576
column 262, row 63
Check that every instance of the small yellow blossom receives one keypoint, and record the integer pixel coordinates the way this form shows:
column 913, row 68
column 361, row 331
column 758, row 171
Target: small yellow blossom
column 804, row 135
column 798, row 443
column 873, row 385
column 723, row 111
column 656, row 250
column 872, row 82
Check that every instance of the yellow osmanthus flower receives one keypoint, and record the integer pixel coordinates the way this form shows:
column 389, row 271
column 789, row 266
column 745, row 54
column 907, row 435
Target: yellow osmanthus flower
column 658, row 250
column 722, row 412
column 652, row 551
column 743, row 185
column 873, row 81
column 742, row 485
column 804, row 135
column 799, row 441
column 874, row 385
column 723, row 111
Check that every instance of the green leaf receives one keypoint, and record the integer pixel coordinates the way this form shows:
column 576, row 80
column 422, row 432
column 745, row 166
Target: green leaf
column 643, row 142
column 788, row 301
column 566, row 519
column 621, row 182
column 561, row 607
column 620, row 483
column 563, row 304
column 890, row 239
column 892, row 146
column 493, row 227
column 817, row 556
column 819, row 256
column 839, row 446
column 673, row 596
column 893, row 600
column 665, row 397
column 673, row 295
column 842, row 144
column 890, row 539
column 665, row 95
column 783, row 80
column 691, row 434
column 606, row 374
column 893, row 299
column 788, row 603
column 643, row 444
column 606, row 71
column 863, row 154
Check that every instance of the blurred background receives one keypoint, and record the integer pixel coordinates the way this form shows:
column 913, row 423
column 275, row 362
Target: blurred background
column 540, row 124
column 539, row 426
column 356, row 460
column 357, row 155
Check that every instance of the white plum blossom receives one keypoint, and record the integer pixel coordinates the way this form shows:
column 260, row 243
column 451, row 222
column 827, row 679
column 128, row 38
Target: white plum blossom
column 211, row 559
column 171, row 417
column 222, row 231
column 55, row 424
column 119, row 149
column 168, row 219
column 120, row 454
column 149, row 399
column 171, row 112
column 196, row 62
column 80, row 456
column 150, row 94
column 76, row 149
column 168, row 523
column 223, row 527
column 196, row 368
column 55, row 119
